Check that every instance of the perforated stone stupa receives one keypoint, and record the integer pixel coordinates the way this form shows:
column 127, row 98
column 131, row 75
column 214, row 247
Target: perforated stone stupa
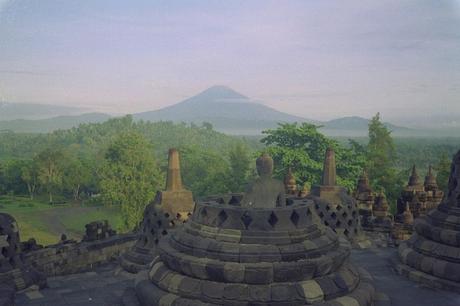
column 333, row 205
column 231, row 254
column 432, row 254
column 170, row 209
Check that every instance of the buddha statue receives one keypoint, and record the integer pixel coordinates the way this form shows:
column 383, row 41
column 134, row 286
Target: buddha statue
column 265, row 191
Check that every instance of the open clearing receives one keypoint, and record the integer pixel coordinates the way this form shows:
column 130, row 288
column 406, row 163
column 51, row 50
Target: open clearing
column 44, row 222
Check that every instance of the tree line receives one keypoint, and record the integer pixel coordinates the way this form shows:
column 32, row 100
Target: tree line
column 301, row 147
column 122, row 162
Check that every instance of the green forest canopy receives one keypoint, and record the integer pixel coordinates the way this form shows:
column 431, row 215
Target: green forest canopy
column 212, row 162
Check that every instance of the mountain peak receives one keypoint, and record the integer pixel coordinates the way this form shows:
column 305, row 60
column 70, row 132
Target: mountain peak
column 220, row 92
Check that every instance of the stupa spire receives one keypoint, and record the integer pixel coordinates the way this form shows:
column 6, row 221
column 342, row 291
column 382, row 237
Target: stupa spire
column 414, row 178
column 430, row 179
column 329, row 169
column 174, row 180
column 363, row 183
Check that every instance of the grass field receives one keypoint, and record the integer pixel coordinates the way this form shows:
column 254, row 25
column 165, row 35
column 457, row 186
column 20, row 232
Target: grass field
column 37, row 219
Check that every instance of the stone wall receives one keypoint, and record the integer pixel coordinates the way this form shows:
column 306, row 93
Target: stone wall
column 14, row 271
column 73, row 257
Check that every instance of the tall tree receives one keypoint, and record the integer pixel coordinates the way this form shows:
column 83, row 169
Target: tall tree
column 380, row 160
column 11, row 173
column 30, row 175
column 130, row 176
column 240, row 162
column 77, row 175
column 302, row 147
column 49, row 163
column 206, row 125
column 204, row 171
column 381, row 149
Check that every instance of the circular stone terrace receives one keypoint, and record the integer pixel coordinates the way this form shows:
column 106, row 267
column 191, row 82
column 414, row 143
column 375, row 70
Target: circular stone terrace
column 229, row 254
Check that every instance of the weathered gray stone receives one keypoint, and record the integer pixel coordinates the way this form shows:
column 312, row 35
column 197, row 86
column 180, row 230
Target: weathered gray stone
column 267, row 255
column 265, row 192
column 15, row 272
column 432, row 253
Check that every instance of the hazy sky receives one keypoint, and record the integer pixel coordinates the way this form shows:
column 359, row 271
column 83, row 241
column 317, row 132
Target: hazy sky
column 319, row 59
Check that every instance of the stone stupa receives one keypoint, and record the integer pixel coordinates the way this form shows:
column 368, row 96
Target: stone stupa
column 260, row 251
column 170, row 209
column 333, row 205
column 434, row 195
column 382, row 219
column 432, row 254
column 373, row 208
column 290, row 183
column 414, row 194
column 365, row 199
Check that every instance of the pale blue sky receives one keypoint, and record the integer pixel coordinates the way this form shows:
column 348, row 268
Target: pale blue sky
column 318, row 59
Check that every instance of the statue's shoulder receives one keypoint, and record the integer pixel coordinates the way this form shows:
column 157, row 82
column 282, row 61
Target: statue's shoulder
column 276, row 182
column 254, row 185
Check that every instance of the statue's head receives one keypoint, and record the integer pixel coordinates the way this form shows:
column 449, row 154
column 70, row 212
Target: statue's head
column 264, row 165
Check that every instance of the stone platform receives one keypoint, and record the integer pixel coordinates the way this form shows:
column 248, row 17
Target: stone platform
column 230, row 255
column 102, row 288
column 398, row 290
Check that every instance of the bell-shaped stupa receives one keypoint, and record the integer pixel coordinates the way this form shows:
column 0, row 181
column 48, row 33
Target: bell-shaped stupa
column 267, row 253
column 432, row 254
column 333, row 205
column 169, row 209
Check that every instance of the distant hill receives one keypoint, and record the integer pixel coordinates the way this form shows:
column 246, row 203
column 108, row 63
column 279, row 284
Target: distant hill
column 29, row 111
column 51, row 124
column 356, row 123
column 227, row 110
column 231, row 112
column 358, row 126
